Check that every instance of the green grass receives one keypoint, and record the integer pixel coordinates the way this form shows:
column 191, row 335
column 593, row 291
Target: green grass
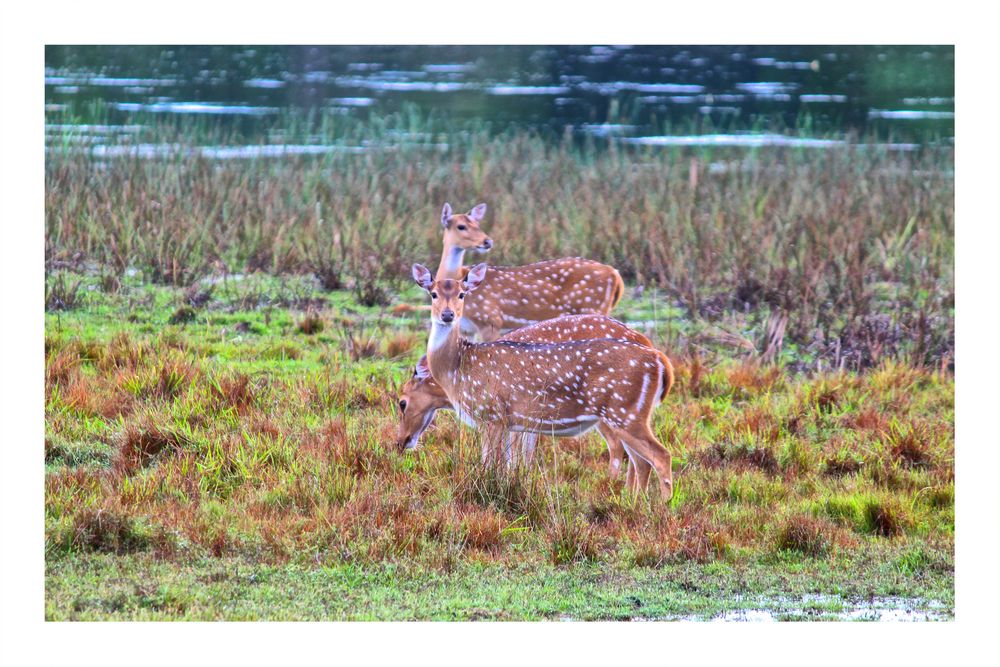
column 234, row 466
column 140, row 588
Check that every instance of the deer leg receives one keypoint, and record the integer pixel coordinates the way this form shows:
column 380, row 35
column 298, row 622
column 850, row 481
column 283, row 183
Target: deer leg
column 642, row 470
column 528, row 442
column 615, row 450
column 637, row 478
column 493, row 443
column 638, row 472
column 519, row 448
column 640, row 442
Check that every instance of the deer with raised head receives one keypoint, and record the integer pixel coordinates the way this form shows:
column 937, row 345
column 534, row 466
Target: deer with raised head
column 421, row 396
column 558, row 389
column 514, row 296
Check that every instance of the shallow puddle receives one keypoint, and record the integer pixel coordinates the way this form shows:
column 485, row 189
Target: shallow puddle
column 825, row 607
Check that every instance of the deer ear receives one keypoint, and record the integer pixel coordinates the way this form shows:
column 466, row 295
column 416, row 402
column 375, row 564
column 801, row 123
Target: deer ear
column 445, row 214
column 475, row 277
column 478, row 212
column 423, row 276
column 423, row 369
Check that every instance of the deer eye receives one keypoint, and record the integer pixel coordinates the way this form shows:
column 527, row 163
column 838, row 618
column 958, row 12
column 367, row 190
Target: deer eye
column 402, row 406
column 461, row 228
column 434, row 295
column 461, row 295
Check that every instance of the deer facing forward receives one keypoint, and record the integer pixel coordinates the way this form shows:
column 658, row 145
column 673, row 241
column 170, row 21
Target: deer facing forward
column 558, row 389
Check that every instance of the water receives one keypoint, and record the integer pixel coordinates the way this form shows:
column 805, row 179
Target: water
column 810, row 96
column 828, row 607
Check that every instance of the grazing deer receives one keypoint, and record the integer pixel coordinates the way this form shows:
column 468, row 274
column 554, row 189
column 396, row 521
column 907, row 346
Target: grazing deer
column 421, row 396
column 558, row 389
column 513, row 296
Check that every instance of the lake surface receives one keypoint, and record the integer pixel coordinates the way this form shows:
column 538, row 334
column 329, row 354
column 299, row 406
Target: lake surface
column 649, row 95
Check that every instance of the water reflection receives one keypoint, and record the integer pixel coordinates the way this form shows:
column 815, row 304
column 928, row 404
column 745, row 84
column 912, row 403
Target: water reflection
column 197, row 107
column 755, row 141
column 894, row 94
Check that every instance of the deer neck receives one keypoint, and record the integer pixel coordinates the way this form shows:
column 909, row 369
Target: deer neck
column 452, row 258
column 444, row 355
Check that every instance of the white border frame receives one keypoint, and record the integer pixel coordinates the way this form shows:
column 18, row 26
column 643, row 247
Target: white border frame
column 970, row 639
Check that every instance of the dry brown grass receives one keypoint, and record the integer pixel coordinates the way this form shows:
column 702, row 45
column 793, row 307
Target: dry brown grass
column 483, row 530
column 750, row 378
column 909, row 445
column 300, row 467
column 814, row 536
column 139, row 444
column 868, row 419
column 688, row 536
column 237, row 391
column 123, row 353
column 361, row 346
column 886, row 518
column 401, row 344
column 311, row 323
column 739, row 454
column 842, row 460
column 61, row 367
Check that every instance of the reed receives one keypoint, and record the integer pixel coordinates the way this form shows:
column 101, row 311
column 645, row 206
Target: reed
column 846, row 243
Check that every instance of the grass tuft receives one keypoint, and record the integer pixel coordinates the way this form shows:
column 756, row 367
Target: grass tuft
column 183, row 315
column 884, row 517
column 805, row 533
column 360, row 346
column 139, row 445
column 401, row 344
column 61, row 367
column 63, row 293
column 310, row 324
column 570, row 539
column 743, row 452
column 483, row 530
column 237, row 391
column 909, row 445
column 842, row 462
column 109, row 531
column 512, row 491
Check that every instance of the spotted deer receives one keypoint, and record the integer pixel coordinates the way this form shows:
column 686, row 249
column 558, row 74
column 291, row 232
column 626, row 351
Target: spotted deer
column 421, row 396
column 557, row 389
column 514, row 296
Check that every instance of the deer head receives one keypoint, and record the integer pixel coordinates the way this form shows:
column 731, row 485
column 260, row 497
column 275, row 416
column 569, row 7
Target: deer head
column 419, row 399
column 448, row 296
column 462, row 230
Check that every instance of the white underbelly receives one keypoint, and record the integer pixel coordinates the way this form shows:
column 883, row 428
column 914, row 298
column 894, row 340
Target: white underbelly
column 560, row 430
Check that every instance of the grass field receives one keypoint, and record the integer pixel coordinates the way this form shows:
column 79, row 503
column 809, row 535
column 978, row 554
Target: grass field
column 222, row 356
column 191, row 451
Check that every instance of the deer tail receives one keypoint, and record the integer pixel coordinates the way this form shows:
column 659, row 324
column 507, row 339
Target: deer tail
column 617, row 290
column 668, row 376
